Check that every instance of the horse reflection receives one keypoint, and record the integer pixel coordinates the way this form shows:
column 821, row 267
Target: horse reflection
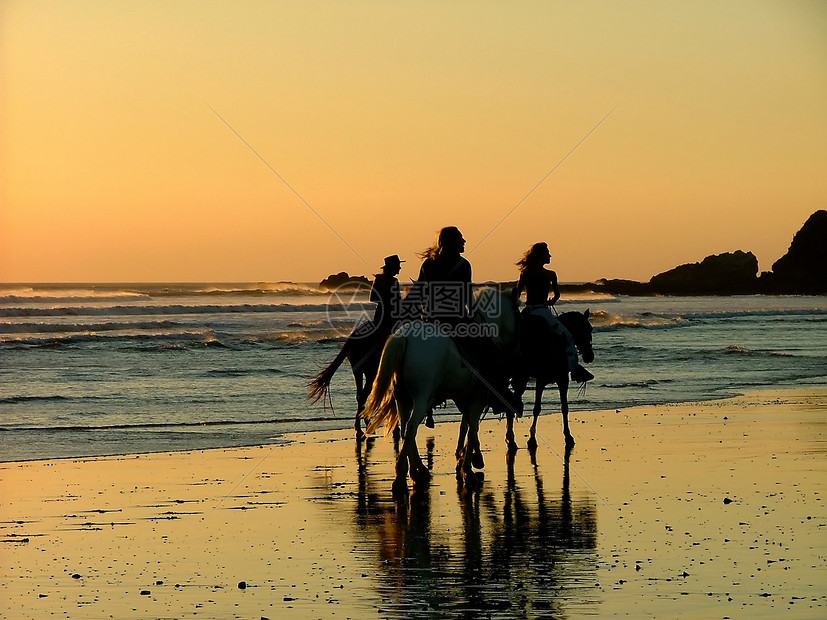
column 398, row 531
column 513, row 550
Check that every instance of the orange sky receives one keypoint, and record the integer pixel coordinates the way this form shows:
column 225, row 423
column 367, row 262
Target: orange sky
column 394, row 119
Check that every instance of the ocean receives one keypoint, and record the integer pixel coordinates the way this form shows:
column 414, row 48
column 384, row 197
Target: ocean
column 89, row 370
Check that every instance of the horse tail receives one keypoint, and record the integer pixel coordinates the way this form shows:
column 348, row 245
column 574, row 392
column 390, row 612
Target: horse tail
column 381, row 407
column 320, row 384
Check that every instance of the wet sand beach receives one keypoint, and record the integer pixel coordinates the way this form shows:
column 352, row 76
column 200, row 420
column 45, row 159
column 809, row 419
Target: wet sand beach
column 711, row 510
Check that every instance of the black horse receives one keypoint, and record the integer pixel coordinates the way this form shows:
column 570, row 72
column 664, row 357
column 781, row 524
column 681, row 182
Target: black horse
column 543, row 357
column 363, row 349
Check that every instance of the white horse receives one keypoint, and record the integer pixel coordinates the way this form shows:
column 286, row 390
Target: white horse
column 422, row 367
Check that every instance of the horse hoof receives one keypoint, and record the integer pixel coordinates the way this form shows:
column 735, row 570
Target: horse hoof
column 532, row 444
column 421, row 476
column 477, row 460
column 400, row 485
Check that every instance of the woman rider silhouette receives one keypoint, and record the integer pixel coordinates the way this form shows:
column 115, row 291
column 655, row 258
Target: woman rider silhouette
column 446, row 276
column 537, row 281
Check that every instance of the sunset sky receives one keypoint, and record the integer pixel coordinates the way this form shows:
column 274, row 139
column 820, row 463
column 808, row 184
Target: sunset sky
column 393, row 119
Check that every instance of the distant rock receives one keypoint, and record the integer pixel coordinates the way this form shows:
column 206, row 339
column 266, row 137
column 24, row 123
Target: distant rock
column 803, row 269
column 728, row 273
column 343, row 280
column 622, row 287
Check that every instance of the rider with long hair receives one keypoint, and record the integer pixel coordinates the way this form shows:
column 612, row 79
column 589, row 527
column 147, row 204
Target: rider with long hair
column 446, row 294
column 537, row 282
column 446, row 277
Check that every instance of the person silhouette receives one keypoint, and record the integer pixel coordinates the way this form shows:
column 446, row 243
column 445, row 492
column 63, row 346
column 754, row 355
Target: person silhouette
column 446, row 291
column 448, row 275
column 537, row 282
column 385, row 292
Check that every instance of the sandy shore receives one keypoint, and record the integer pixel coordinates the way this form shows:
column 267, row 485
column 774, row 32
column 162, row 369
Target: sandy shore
column 708, row 510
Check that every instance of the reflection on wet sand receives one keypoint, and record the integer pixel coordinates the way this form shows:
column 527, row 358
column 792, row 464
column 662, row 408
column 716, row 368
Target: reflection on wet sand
column 509, row 549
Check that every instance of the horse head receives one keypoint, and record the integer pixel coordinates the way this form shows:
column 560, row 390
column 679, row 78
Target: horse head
column 581, row 330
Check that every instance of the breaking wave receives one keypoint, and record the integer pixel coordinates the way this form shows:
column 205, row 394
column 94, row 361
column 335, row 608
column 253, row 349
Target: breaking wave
column 735, row 349
column 138, row 310
column 57, row 293
column 192, row 338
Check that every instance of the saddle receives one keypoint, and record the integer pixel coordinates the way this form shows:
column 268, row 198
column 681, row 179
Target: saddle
column 539, row 346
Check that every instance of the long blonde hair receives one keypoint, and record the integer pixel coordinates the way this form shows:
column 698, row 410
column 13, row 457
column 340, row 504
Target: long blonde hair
column 445, row 237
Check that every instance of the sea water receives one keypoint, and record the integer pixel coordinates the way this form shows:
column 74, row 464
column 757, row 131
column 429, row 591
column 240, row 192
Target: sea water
column 110, row 369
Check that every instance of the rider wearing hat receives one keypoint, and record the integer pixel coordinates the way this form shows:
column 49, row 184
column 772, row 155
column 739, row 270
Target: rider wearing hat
column 385, row 292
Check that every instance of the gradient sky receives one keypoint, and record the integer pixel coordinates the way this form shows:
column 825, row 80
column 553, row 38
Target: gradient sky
column 394, row 119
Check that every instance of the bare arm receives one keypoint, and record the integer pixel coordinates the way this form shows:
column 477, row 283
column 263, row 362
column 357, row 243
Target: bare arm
column 465, row 277
column 554, row 288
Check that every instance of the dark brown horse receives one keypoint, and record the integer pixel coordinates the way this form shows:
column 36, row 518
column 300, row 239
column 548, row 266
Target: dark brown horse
column 363, row 349
column 543, row 357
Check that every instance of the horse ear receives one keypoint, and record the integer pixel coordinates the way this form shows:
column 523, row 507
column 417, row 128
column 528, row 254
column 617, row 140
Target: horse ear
column 586, row 313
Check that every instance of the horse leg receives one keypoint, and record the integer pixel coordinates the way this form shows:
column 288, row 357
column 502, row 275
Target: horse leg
column 519, row 389
column 509, row 433
column 404, row 407
column 361, row 399
column 538, row 407
column 476, row 455
column 563, row 386
column 420, row 474
column 419, row 471
column 409, row 454
column 473, row 441
column 463, row 431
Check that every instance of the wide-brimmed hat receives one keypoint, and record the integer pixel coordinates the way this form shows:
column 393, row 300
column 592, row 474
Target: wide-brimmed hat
column 392, row 261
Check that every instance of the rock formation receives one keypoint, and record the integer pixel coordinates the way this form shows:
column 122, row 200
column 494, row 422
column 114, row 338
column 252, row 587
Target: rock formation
column 803, row 269
column 343, row 280
column 728, row 273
